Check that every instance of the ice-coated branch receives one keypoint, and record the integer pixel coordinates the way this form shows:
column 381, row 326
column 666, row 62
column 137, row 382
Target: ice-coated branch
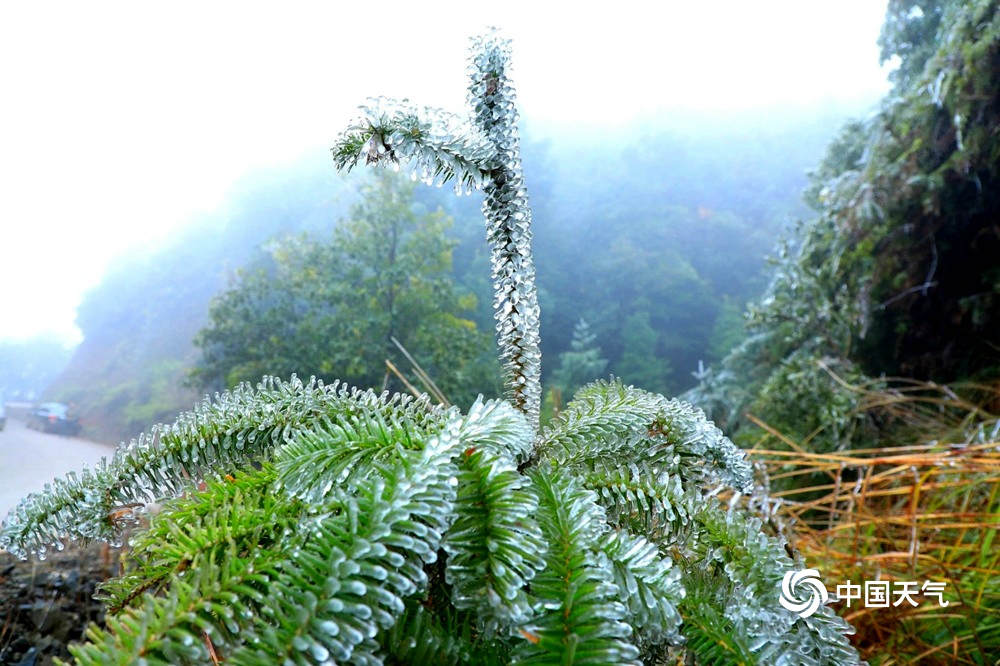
column 242, row 425
column 482, row 152
column 439, row 146
column 508, row 223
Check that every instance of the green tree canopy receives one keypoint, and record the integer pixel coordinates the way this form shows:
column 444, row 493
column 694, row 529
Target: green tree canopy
column 332, row 308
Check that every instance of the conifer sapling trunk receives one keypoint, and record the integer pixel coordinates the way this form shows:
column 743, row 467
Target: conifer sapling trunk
column 485, row 152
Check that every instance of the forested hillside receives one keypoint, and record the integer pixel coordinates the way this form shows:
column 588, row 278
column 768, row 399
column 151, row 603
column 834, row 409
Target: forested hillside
column 868, row 388
column 676, row 217
column 896, row 273
column 139, row 323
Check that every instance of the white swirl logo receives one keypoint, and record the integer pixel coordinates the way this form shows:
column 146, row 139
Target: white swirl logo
column 810, row 579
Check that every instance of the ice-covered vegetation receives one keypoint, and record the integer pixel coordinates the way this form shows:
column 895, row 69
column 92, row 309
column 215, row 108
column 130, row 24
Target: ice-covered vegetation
column 309, row 523
column 897, row 275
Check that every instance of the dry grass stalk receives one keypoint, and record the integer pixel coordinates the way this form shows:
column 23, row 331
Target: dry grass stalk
column 925, row 510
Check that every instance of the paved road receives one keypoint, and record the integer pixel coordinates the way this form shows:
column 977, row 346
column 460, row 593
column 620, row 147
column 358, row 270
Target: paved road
column 29, row 459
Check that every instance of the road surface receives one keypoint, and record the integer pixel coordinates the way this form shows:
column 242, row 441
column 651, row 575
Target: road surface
column 29, row 459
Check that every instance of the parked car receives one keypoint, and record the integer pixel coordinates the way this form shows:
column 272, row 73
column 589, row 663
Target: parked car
column 54, row 417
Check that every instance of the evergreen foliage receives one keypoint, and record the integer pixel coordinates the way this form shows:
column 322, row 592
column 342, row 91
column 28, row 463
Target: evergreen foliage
column 305, row 523
column 909, row 33
column 897, row 275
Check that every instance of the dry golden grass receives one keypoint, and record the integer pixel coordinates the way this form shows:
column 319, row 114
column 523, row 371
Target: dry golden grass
column 927, row 509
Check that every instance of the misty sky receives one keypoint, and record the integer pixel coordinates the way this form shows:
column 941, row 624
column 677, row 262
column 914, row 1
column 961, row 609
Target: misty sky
column 121, row 121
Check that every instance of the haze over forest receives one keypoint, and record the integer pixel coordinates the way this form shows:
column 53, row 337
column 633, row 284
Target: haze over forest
column 678, row 215
column 625, row 175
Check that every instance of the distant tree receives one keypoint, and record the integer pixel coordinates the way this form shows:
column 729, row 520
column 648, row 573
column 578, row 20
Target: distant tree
column 582, row 363
column 331, row 309
column 640, row 365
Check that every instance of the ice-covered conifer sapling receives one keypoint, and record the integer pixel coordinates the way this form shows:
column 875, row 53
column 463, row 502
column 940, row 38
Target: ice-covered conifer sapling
column 305, row 523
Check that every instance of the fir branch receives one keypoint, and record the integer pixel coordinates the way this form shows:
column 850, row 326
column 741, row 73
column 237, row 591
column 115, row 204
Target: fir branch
column 711, row 638
column 217, row 598
column 420, row 637
column 604, row 418
column 495, row 426
column 483, row 151
column 608, row 423
column 644, row 502
column 238, row 427
column 750, row 564
column 439, row 146
column 348, row 580
column 649, row 584
column 508, row 224
column 494, row 546
column 334, row 453
column 213, row 550
column 578, row 619
column 242, row 511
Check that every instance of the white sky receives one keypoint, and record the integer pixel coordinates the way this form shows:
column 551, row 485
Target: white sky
column 120, row 121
